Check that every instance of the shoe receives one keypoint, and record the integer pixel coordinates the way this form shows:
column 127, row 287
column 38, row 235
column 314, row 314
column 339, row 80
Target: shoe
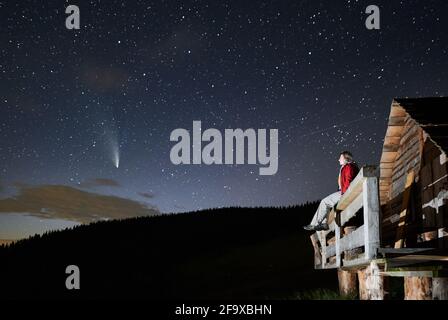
column 309, row 227
column 321, row 227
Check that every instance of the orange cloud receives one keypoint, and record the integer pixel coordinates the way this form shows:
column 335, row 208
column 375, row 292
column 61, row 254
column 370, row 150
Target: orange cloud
column 65, row 202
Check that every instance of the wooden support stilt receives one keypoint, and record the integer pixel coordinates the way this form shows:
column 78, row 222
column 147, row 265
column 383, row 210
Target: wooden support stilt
column 317, row 253
column 370, row 283
column 371, row 217
column 348, row 280
column 417, row 288
column 348, row 283
column 401, row 231
column 440, row 288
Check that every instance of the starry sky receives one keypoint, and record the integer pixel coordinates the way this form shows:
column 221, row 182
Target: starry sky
column 73, row 101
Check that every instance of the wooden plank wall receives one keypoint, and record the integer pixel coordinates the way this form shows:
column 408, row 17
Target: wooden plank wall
column 434, row 192
column 391, row 145
column 408, row 157
column 429, row 194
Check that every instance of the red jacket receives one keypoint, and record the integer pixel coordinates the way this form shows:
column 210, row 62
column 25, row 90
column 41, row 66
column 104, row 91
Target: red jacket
column 347, row 174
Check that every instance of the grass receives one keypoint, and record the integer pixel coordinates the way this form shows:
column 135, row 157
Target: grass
column 322, row 294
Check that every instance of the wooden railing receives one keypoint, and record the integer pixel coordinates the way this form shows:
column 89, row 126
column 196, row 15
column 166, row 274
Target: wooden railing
column 331, row 246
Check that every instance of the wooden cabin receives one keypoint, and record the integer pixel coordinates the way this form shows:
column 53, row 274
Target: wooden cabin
column 392, row 222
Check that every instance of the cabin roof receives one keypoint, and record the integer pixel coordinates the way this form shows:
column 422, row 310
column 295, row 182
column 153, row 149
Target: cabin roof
column 429, row 114
column 432, row 116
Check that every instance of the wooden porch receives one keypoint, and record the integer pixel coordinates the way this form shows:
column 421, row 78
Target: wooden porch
column 353, row 246
column 341, row 247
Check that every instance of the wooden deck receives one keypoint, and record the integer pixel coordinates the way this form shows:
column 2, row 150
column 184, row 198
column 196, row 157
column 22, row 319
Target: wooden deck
column 357, row 248
column 393, row 222
column 352, row 245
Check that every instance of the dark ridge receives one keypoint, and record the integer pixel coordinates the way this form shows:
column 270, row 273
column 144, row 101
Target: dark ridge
column 210, row 254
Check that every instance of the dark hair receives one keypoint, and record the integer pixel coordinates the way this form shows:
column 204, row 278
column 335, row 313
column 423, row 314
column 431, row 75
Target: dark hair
column 347, row 155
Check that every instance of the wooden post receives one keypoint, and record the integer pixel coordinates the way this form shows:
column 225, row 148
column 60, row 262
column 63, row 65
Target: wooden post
column 348, row 280
column 401, row 231
column 337, row 235
column 417, row 288
column 348, row 285
column 371, row 283
column 317, row 254
column 371, row 217
column 323, row 243
column 440, row 288
column 354, row 253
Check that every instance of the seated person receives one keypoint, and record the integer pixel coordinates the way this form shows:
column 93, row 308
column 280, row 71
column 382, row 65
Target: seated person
column 349, row 170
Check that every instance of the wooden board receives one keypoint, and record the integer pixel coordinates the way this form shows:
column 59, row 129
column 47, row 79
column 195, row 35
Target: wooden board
column 396, row 121
column 434, row 193
column 388, row 156
column 392, row 140
column 404, row 210
column 317, row 253
column 371, row 215
column 394, row 131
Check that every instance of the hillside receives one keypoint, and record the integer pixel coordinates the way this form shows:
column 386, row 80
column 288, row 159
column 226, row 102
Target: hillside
column 212, row 254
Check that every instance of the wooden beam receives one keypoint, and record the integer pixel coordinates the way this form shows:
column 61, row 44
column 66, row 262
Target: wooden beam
column 331, row 250
column 331, row 216
column 388, row 156
column 337, row 234
column 317, row 254
column 330, row 266
column 386, row 172
column 353, row 253
column 397, row 110
column 323, row 243
column 353, row 240
column 396, row 121
column 358, row 262
column 426, row 273
column 420, row 258
column 433, row 268
column 350, row 211
column 404, row 210
column 350, row 241
column 394, row 131
column 402, row 250
column 371, row 217
column 386, row 165
column 391, row 147
column 392, row 140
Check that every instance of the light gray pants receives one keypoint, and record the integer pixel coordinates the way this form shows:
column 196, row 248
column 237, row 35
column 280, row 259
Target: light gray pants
column 324, row 208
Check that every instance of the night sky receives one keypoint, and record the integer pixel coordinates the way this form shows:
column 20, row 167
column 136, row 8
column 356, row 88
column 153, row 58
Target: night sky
column 72, row 101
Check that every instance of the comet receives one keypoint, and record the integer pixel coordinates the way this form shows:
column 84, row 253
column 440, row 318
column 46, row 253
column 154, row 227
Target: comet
column 112, row 145
column 109, row 135
column 115, row 152
column 116, row 158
